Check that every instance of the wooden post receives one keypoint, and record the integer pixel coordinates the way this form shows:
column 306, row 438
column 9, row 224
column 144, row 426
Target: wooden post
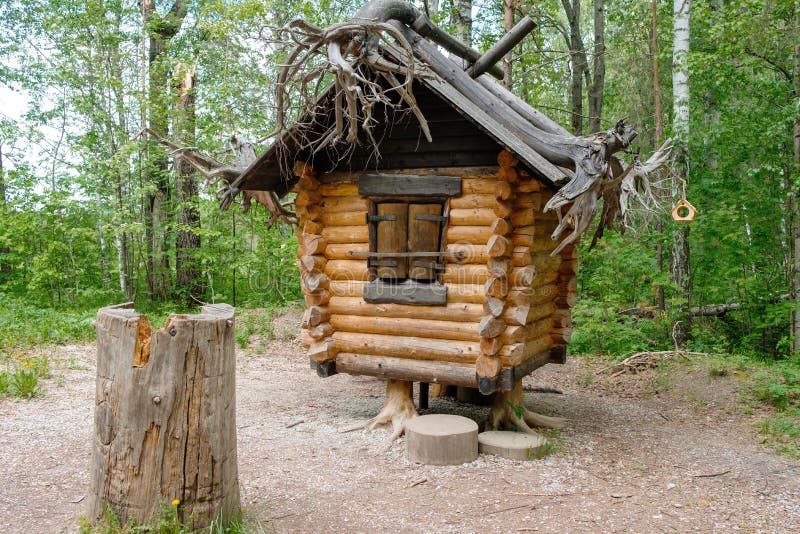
column 165, row 416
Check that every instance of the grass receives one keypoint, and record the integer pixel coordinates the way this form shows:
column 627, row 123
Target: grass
column 23, row 325
column 168, row 521
column 255, row 322
column 20, row 374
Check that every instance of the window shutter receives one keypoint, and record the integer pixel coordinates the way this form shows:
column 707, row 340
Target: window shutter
column 392, row 230
column 424, row 229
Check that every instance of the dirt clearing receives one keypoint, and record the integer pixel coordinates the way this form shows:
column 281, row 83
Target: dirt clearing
column 654, row 452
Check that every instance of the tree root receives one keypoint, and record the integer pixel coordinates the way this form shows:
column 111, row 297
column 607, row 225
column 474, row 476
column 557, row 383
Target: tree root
column 509, row 409
column 398, row 410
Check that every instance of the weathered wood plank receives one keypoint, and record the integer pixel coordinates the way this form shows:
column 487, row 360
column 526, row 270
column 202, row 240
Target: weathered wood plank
column 409, row 185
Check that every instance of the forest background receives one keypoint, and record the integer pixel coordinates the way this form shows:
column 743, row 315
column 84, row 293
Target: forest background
column 90, row 216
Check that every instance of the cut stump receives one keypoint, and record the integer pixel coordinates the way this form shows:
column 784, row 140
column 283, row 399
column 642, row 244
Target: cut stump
column 165, row 416
column 439, row 439
column 512, row 445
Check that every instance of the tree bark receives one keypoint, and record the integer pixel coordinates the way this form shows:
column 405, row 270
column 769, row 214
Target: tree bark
column 595, row 92
column 159, row 31
column 508, row 23
column 795, row 264
column 4, row 266
column 578, row 62
column 659, row 135
column 165, row 416
column 462, row 18
column 681, row 275
column 188, row 281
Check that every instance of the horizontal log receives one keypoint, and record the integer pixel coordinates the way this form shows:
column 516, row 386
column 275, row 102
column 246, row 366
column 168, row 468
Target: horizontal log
column 482, row 185
column 397, row 326
column 507, row 159
column 315, row 315
column 347, row 270
column 497, row 246
column 339, row 189
column 490, row 346
column 317, row 298
column 494, row 306
column 321, row 351
column 307, row 198
column 473, row 235
column 517, row 353
column 498, row 267
column 561, row 335
column 344, row 218
column 313, row 244
column 416, row 348
column 562, row 318
column 565, row 300
column 542, row 327
column 472, row 293
column 473, row 201
column 496, row 287
column 467, row 253
column 472, row 217
column 462, row 312
column 491, row 327
column 340, row 204
column 503, row 191
column 341, row 251
column 501, row 226
column 434, row 372
column 503, row 208
column 508, row 174
column 523, row 217
column 456, row 293
column 313, row 263
column 546, row 263
column 465, row 274
column 534, row 295
column 529, row 185
column 487, row 367
column 346, row 234
column 308, row 213
column 524, row 314
column 312, row 227
column 522, row 276
column 304, row 170
column 531, row 201
column 320, row 331
column 544, row 279
column 313, row 282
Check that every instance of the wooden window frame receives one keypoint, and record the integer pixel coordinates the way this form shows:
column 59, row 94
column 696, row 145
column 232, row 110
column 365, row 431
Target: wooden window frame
column 395, row 189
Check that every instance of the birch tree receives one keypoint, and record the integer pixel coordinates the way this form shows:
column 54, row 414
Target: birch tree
column 681, row 275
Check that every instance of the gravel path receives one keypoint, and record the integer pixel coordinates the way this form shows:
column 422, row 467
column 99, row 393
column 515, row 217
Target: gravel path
column 645, row 453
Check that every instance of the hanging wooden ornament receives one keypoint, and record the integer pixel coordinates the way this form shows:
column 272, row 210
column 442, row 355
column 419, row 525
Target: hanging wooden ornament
column 684, row 211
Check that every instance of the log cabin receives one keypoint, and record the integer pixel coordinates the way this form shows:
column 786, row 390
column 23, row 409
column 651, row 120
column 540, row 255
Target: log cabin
column 426, row 246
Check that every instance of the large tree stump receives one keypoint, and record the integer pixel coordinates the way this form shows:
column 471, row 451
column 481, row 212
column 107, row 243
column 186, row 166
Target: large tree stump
column 165, row 416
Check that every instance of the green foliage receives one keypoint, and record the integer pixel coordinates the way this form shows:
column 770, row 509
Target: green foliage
column 24, row 383
column 23, row 325
column 169, row 521
column 777, row 385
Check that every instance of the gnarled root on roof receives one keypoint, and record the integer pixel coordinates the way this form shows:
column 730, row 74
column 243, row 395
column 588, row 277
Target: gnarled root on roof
column 509, row 409
column 398, row 410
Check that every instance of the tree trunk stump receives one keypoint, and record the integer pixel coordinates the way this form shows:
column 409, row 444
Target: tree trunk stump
column 165, row 416
column 440, row 439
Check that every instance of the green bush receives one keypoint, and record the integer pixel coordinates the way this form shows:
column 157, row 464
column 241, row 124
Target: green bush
column 24, row 383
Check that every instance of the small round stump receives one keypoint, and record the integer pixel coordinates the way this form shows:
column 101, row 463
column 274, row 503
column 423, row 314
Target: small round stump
column 512, row 445
column 439, row 439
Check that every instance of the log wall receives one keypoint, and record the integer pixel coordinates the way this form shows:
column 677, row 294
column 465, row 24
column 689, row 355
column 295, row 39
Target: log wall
column 502, row 308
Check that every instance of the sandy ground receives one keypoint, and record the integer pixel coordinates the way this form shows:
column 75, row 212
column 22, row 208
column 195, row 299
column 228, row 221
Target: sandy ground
column 654, row 452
